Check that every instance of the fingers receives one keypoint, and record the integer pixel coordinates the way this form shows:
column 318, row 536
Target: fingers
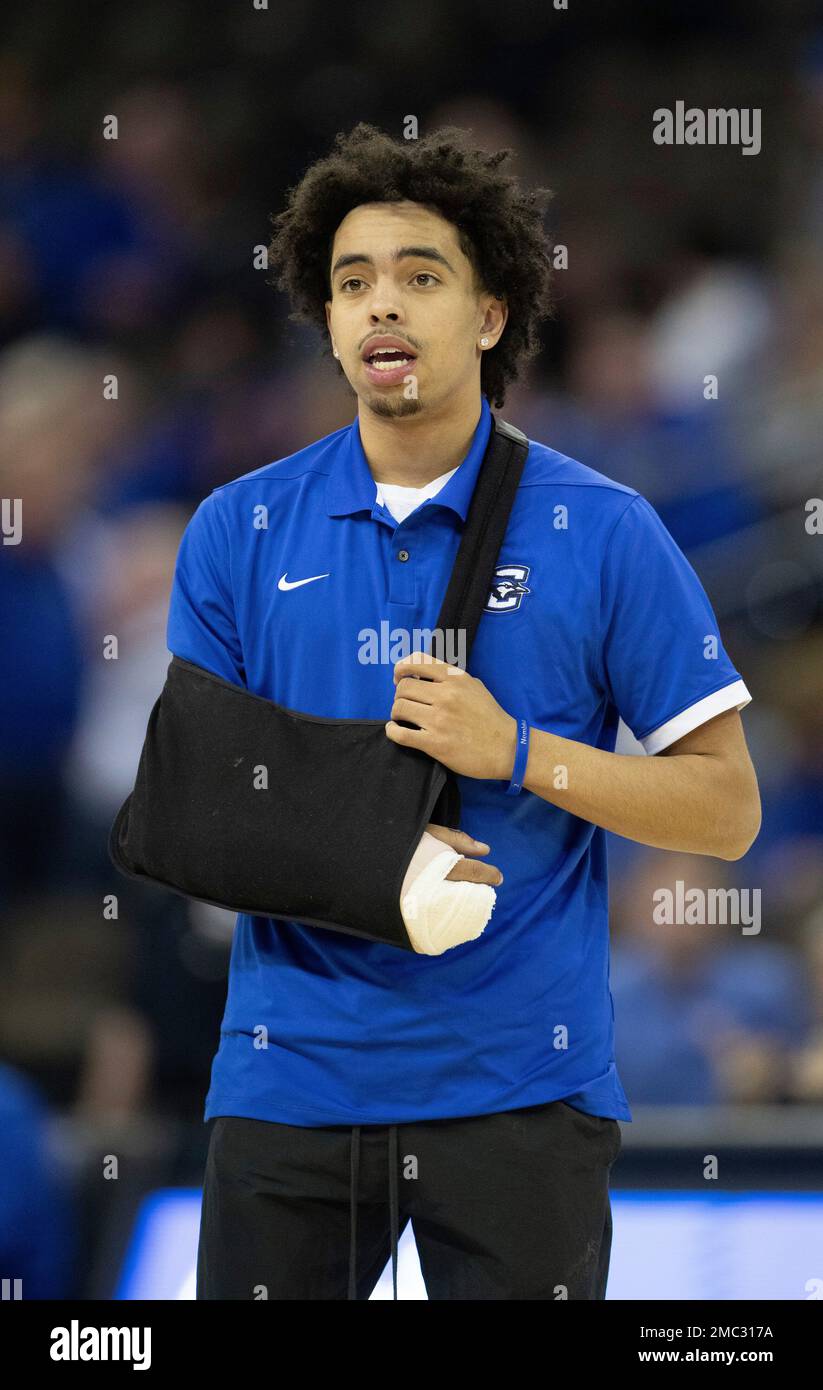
column 469, row 871
column 458, row 839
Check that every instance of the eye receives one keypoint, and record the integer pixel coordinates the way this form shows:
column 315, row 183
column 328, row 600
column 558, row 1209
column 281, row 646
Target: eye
column 426, row 275
column 353, row 280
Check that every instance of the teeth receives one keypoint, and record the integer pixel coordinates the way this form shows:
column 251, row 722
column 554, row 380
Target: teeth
column 390, row 365
column 374, row 359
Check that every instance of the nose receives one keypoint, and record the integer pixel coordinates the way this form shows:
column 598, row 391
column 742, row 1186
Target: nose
column 385, row 301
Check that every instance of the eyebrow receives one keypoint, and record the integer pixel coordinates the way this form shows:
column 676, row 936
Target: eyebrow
column 423, row 253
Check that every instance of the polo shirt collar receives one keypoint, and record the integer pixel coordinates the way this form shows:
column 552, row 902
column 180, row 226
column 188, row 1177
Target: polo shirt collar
column 351, row 487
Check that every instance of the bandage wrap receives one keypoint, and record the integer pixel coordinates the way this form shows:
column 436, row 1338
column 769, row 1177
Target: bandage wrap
column 326, row 836
column 440, row 913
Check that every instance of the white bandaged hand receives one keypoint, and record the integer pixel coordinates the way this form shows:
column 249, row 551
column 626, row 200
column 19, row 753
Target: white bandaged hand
column 438, row 913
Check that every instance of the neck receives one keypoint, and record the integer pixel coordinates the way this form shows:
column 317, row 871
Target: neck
column 415, row 449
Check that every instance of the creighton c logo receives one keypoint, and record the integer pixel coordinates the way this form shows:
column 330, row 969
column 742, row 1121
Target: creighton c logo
column 507, row 588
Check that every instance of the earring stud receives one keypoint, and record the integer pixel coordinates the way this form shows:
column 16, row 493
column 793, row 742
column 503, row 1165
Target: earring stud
column 484, row 342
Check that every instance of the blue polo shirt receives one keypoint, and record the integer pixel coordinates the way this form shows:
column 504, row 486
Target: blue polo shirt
column 289, row 581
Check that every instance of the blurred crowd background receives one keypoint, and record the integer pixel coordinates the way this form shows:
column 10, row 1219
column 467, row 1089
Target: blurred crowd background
column 134, row 258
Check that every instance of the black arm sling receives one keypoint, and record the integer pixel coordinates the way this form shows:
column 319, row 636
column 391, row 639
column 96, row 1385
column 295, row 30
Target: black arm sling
column 327, row 843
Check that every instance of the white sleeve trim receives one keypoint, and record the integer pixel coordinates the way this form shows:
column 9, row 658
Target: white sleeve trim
column 733, row 696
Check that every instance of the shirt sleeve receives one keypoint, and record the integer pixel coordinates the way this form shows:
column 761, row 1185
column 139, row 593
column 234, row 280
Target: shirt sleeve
column 201, row 624
column 665, row 665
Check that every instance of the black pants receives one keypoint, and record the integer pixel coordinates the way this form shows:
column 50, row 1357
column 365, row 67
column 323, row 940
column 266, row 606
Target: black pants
column 513, row 1205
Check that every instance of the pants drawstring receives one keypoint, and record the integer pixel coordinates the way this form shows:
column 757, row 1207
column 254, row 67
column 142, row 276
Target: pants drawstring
column 394, row 1214
column 394, row 1217
column 355, row 1165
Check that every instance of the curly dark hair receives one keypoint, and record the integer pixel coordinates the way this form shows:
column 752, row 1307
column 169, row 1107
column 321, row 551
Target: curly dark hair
column 500, row 229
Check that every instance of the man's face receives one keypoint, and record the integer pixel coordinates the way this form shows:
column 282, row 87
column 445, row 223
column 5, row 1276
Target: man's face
column 397, row 271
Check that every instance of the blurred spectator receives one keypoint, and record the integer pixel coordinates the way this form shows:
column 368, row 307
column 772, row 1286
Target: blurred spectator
column 705, row 1014
column 133, row 608
column 806, row 1080
column 53, row 425
column 37, row 1224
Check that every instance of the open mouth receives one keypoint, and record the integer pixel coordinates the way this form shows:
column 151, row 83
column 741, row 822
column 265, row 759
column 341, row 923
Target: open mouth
column 389, row 359
column 389, row 366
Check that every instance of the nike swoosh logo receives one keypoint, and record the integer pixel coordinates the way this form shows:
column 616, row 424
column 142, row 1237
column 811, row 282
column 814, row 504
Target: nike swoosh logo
column 284, row 583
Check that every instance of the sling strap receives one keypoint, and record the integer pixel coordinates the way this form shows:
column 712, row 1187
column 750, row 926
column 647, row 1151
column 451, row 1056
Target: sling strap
column 476, row 561
column 485, row 529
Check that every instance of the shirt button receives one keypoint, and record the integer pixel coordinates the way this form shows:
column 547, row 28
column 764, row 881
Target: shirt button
column 402, row 554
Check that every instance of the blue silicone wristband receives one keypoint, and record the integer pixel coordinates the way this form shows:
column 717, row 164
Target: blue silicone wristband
column 521, row 757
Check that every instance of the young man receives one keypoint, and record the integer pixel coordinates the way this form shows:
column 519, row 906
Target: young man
column 477, row 1089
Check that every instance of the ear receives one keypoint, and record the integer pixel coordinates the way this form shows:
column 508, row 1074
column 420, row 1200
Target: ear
column 495, row 316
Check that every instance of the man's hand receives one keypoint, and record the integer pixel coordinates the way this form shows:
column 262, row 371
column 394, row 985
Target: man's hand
column 459, row 722
column 467, row 869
